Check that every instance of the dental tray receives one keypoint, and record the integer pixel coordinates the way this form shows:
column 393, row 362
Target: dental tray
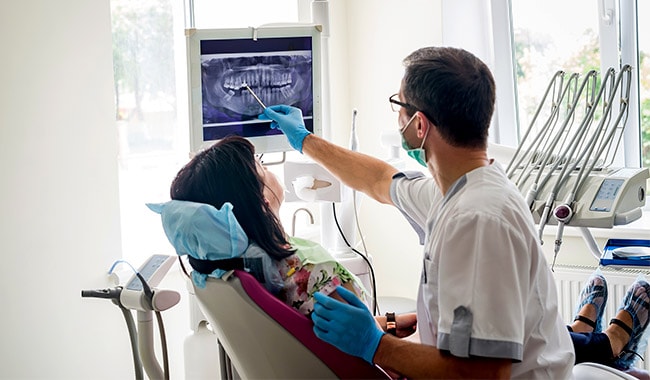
column 626, row 252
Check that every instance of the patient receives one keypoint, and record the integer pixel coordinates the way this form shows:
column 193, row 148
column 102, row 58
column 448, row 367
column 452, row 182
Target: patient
column 235, row 203
column 621, row 343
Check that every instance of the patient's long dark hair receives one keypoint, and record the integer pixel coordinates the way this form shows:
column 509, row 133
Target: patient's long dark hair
column 227, row 172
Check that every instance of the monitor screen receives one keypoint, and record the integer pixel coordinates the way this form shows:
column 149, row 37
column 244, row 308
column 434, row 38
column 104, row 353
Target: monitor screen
column 281, row 65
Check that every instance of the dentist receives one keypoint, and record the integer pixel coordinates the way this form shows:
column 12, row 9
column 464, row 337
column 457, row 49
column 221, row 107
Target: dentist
column 487, row 303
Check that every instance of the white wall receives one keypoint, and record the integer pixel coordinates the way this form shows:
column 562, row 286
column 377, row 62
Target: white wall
column 59, row 193
column 369, row 48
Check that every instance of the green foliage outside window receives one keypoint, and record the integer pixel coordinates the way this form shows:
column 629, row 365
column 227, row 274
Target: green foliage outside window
column 582, row 61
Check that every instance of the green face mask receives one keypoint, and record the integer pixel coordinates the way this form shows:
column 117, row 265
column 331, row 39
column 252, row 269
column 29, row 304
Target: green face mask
column 418, row 154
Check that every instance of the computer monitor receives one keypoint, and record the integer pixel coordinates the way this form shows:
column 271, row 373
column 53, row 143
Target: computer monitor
column 281, row 64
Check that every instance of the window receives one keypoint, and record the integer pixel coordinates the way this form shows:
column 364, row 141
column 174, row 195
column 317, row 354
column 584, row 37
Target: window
column 644, row 78
column 584, row 35
column 569, row 43
column 151, row 100
column 149, row 115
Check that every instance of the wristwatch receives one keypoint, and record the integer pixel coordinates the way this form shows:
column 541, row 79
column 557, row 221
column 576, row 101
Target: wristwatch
column 391, row 325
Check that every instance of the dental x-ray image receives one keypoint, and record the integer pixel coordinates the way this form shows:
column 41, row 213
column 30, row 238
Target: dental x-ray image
column 278, row 70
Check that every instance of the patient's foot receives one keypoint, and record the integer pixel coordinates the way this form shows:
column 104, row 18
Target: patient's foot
column 626, row 330
column 591, row 306
column 618, row 336
column 589, row 313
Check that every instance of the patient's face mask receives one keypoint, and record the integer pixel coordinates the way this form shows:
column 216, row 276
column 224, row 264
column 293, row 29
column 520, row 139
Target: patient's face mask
column 418, row 154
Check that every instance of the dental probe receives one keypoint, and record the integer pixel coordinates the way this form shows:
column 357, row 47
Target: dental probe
column 254, row 95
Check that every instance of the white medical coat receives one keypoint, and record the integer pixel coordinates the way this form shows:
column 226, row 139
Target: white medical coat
column 486, row 289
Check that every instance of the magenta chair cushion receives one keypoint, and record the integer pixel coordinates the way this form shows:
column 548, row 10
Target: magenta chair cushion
column 343, row 365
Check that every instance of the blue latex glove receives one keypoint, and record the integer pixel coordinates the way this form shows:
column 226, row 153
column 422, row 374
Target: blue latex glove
column 289, row 120
column 348, row 326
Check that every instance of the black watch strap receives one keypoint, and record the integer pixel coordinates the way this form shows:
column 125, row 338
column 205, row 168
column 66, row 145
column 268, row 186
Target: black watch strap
column 391, row 325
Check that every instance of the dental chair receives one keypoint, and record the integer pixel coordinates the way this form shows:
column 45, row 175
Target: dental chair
column 595, row 371
column 264, row 338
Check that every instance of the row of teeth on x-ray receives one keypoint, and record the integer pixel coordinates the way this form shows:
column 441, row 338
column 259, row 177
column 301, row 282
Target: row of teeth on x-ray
column 266, row 84
column 257, row 79
column 268, row 95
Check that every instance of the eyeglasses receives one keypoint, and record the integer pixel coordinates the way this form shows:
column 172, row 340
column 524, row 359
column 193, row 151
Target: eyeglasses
column 396, row 105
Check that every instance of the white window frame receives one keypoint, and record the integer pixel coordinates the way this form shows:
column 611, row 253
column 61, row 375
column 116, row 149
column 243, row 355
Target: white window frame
column 479, row 34
column 492, row 41
column 627, row 19
column 508, row 131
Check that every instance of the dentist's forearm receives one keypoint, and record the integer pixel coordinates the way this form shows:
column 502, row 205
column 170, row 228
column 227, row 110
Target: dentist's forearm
column 419, row 361
column 357, row 170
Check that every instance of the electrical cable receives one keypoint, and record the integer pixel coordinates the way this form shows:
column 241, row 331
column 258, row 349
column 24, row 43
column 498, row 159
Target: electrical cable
column 354, row 146
column 161, row 328
column 375, row 307
column 356, row 220
column 146, row 289
column 130, row 325
column 163, row 343
column 115, row 264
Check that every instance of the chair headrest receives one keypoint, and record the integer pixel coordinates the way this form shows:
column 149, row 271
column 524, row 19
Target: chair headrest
column 203, row 232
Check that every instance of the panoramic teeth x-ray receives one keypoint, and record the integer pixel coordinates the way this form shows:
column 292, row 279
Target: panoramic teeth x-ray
column 276, row 79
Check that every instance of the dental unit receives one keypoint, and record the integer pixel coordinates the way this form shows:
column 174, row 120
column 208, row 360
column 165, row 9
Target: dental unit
column 567, row 171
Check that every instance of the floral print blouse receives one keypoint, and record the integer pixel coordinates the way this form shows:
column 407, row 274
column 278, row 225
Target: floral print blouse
column 310, row 270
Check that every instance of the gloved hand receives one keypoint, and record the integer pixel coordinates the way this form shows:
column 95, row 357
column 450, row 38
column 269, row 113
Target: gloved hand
column 350, row 327
column 289, row 120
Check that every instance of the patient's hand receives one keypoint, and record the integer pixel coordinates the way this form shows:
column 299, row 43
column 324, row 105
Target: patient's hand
column 348, row 286
column 406, row 324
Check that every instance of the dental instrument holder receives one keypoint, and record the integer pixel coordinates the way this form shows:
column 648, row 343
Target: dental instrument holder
column 144, row 299
column 571, row 178
column 609, row 198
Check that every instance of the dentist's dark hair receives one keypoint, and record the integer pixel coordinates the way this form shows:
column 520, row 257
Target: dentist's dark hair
column 227, row 172
column 455, row 90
